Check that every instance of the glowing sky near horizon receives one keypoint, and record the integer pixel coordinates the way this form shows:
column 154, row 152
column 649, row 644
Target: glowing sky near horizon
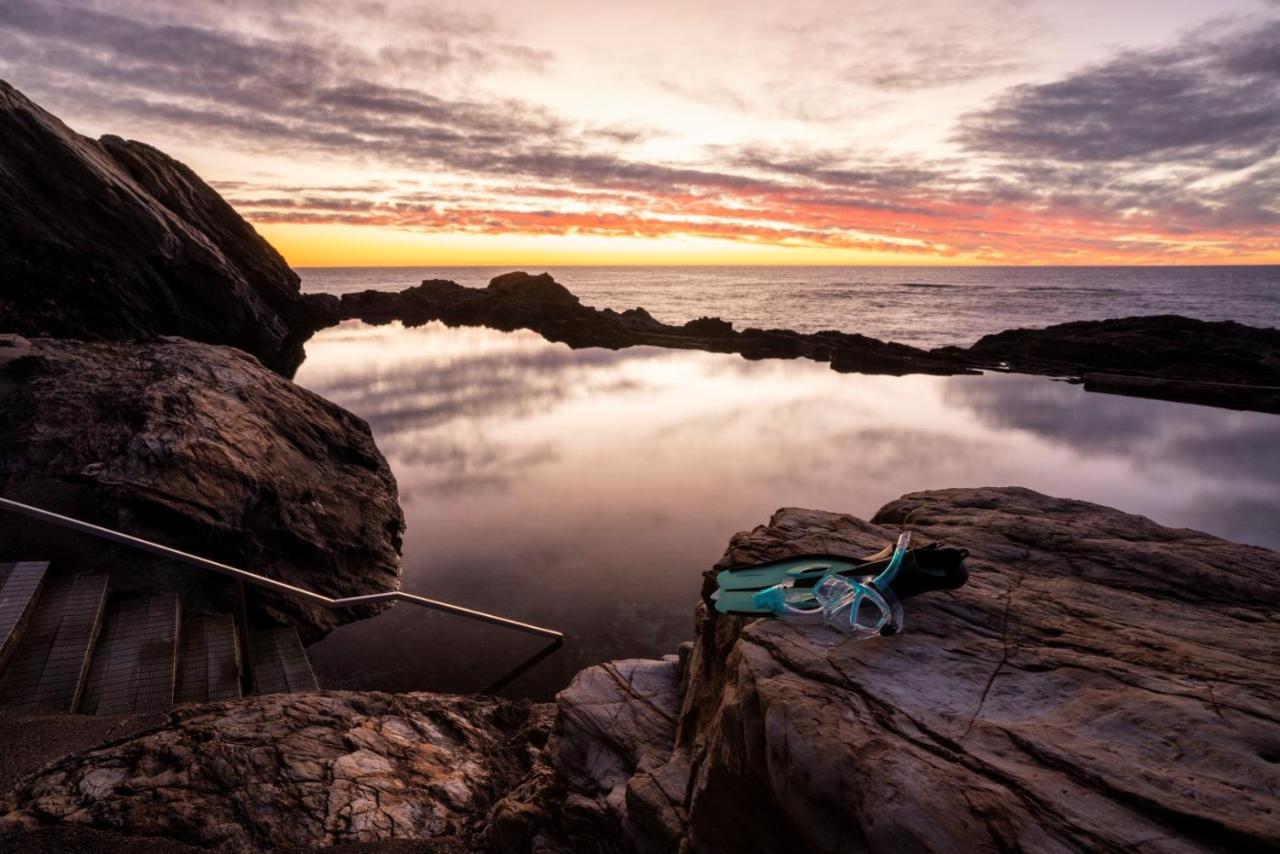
column 857, row 131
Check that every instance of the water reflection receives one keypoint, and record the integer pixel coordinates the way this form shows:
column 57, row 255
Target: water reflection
column 587, row 490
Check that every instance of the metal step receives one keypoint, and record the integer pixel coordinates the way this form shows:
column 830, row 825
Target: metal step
column 19, row 589
column 279, row 663
column 47, row 668
column 209, row 661
column 136, row 656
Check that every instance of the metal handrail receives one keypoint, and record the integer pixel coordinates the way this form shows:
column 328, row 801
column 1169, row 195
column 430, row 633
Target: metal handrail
column 269, row 583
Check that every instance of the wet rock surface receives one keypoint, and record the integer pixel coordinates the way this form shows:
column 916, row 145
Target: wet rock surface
column 112, row 239
column 203, row 449
column 1101, row 683
column 300, row 771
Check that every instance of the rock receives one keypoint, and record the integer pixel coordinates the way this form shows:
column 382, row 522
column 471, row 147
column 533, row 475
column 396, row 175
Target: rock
column 201, row 448
column 1102, row 683
column 1229, row 364
column 299, row 770
column 111, row 239
column 710, row 327
column 540, row 288
column 521, row 301
column 1240, row 364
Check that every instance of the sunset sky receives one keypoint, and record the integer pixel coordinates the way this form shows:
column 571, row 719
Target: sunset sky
column 579, row 131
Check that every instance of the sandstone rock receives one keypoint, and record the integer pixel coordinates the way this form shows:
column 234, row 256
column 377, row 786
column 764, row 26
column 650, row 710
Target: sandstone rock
column 203, row 449
column 296, row 771
column 114, row 240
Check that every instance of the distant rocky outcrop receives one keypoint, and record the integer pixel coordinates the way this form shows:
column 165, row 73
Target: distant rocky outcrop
column 1102, row 683
column 1164, row 357
column 523, row 301
column 201, row 448
column 111, row 239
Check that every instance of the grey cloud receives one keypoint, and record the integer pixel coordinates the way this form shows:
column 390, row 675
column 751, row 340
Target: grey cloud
column 1209, row 98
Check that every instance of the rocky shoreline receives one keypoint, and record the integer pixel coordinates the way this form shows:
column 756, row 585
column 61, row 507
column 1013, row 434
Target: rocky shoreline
column 1102, row 683
column 1165, row 357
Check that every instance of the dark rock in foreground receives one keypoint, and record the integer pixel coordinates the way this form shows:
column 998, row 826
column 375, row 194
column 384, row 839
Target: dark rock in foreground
column 111, row 239
column 521, row 301
column 200, row 448
column 1102, row 683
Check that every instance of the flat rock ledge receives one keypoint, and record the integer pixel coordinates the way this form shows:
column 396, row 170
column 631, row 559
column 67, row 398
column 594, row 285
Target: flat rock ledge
column 1102, row 683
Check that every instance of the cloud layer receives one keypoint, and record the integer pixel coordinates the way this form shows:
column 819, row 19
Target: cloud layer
column 1159, row 154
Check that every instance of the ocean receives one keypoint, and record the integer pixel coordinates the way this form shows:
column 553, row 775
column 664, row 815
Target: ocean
column 923, row 306
column 587, row 490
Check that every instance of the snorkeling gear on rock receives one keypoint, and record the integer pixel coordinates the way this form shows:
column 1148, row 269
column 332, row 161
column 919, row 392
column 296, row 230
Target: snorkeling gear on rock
column 861, row 598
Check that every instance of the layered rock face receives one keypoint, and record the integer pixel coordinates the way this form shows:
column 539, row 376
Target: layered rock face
column 1102, row 683
column 112, row 239
column 200, row 448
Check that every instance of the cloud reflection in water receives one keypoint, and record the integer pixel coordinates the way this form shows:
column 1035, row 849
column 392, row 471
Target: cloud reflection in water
column 587, row 490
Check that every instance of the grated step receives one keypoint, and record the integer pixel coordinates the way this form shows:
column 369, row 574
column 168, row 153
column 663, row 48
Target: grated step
column 48, row 666
column 133, row 665
column 19, row 590
column 279, row 663
column 209, row 662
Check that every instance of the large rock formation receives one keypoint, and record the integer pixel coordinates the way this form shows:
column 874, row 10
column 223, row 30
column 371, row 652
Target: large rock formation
column 111, row 239
column 1102, row 683
column 201, row 448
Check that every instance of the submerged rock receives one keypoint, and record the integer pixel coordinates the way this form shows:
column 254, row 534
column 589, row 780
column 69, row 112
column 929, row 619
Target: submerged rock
column 200, row 448
column 112, row 239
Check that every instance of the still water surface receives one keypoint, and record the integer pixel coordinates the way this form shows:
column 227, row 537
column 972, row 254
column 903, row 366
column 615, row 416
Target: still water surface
column 587, row 490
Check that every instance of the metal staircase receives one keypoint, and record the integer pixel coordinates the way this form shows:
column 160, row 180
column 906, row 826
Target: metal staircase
column 72, row 645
